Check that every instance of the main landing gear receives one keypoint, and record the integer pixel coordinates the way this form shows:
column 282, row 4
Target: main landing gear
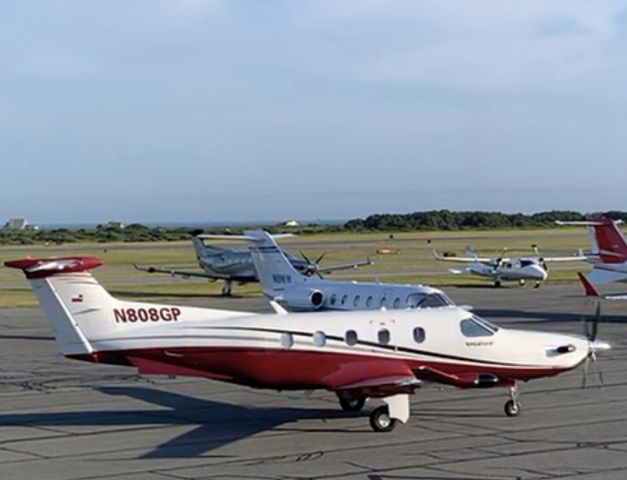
column 497, row 283
column 227, row 288
column 521, row 282
column 352, row 404
column 512, row 407
column 380, row 420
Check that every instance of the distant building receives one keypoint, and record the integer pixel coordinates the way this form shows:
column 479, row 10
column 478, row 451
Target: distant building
column 19, row 224
column 290, row 223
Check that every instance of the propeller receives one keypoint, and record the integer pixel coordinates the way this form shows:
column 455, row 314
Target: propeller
column 591, row 330
column 499, row 259
column 313, row 264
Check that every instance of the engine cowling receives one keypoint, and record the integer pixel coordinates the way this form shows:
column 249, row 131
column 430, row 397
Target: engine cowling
column 303, row 299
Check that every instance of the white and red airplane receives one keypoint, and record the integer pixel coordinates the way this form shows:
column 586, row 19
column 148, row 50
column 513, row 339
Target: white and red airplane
column 609, row 250
column 381, row 354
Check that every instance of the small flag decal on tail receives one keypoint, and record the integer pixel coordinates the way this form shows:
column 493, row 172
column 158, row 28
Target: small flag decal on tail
column 78, row 298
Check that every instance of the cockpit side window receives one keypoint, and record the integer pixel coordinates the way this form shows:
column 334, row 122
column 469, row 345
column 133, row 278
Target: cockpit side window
column 473, row 327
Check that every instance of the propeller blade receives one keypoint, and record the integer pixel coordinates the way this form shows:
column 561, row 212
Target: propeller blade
column 586, row 367
column 595, row 322
column 302, row 254
column 319, row 259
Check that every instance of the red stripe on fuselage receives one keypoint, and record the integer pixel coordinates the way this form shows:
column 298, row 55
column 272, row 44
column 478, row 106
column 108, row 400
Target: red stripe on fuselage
column 298, row 369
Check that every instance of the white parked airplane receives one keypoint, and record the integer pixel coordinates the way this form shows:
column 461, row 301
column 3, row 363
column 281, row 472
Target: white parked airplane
column 501, row 268
column 381, row 354
column 236, row 265
column 283, row 284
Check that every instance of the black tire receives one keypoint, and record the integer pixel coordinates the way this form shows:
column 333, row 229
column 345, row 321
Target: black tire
column 512, row 409
column 352, row 404
column 521, row 282
column 497, row 283
column 380, row 420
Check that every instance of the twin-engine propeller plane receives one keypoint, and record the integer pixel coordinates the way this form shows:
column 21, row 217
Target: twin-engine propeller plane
column 502, row 268
column 282, row 284
column 236, row 265
column 382, row 354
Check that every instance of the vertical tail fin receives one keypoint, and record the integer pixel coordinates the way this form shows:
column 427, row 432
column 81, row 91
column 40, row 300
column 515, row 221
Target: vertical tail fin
column 610, row 241
column 274, row 270
column 201, row 248
column 64, row 288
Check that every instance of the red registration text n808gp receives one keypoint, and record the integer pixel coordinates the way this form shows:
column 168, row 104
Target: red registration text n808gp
column 165, row 314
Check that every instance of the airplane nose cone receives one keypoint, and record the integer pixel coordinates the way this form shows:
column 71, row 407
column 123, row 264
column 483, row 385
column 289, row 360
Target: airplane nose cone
column 598, row 345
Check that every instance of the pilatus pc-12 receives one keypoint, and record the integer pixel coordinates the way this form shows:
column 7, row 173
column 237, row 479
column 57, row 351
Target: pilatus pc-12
column 235, row 265
column 379, row 354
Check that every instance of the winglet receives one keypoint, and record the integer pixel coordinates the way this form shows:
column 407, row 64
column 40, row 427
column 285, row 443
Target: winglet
column 587, row 286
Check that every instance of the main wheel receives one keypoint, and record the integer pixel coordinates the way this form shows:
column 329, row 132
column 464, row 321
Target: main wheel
column 521, row 282
column 497, row 283
column 352, row 404
column 512, row 409
column 380, row 420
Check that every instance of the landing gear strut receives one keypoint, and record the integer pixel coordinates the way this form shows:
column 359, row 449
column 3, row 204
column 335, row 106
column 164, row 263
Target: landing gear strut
column 227, row 288
column 352, row 404
column 512, row 407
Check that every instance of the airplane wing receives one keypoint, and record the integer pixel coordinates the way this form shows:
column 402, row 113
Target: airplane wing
column 345, row 266
column 437, row 256
column 572, row 258
column 591, row 291
column 182, row 273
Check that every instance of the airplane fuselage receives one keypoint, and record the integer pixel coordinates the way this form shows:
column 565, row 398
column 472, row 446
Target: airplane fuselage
column 322, row 350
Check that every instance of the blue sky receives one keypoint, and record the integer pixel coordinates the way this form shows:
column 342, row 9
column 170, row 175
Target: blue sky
column 217, row 110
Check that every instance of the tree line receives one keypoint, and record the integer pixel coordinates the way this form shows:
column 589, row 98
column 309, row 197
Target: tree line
column 468, row 220
column 388, row 222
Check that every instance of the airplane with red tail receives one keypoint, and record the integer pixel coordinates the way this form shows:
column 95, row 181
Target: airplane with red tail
column 382, row 354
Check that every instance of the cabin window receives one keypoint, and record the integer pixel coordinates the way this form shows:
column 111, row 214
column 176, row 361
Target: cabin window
column 356, row 301
column 474, row 327
column 344, row 299
column 384, row 336
column 287, row 340
column 419, row 334
column 351, row 337
column 319, row 338
column 397, row 302
column 333, row 299
column 383, row 301
column 369, row 302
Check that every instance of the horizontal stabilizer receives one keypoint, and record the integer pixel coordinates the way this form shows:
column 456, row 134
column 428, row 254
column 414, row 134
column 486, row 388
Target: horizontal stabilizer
column 599, row 276
column 46, row 267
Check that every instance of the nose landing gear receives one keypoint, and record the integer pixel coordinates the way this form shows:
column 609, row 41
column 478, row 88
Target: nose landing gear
column 512, row 407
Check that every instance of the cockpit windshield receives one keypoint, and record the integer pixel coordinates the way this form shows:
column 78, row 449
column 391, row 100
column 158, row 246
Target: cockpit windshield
column 526, row 263
column 428, row 300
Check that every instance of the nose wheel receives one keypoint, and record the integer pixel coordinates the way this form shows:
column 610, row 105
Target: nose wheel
column 512, row 407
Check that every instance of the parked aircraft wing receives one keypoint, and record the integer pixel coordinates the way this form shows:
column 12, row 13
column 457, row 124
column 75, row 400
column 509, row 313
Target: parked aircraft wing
column 591, row 291
column 487, row 260
column 345, row 266
column 247, row 238
column 573, row 258
column 182, row 273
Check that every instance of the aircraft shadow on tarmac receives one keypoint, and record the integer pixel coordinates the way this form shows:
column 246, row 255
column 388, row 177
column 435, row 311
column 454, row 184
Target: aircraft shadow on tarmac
column 216, row 423
column 525, row 316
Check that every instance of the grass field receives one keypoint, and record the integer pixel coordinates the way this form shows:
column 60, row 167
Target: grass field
column 413, row 264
